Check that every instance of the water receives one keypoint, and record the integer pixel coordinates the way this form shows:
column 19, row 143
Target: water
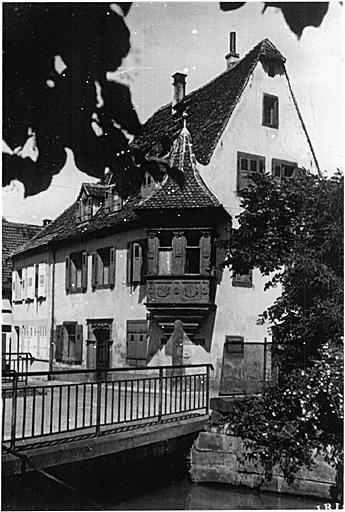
column 161, row 485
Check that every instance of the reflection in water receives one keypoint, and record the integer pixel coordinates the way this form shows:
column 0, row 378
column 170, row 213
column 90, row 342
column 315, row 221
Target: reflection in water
column 161, row 485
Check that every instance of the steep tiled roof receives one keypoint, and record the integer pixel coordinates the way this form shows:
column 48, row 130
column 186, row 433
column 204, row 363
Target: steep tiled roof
column 94, row 189
column 188, row 190
column 13, row 236
column 209, row 108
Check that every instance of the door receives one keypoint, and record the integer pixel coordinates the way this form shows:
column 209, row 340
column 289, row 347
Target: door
column 102, row 350
column 137, row 342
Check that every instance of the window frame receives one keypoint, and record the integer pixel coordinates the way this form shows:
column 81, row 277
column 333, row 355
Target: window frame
column 71, row 270
column 238, row 283
column 250, row 157
column 96, row 282
column 281, row 162
column 275, row 122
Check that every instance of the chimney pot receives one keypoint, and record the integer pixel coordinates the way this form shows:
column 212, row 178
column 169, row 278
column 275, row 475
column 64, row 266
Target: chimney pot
column 232, row 57
column 46, row 222
column 179, row 90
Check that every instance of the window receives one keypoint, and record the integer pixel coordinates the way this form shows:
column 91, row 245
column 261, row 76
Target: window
column 84, row 209
column 193, row 253
column 270, row 115
column 137, row 342
column 243, row 280
column 148, row 185
column 246, row 165
column 165, row 253
column 69, row 343
column 234, row 345
column 283, row 169
column 136, row 267
column 113, row 200
column 76, row 272
column 103, row 268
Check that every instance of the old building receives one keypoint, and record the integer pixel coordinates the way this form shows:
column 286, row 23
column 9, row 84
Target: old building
column 13, row 236
column 135, row 279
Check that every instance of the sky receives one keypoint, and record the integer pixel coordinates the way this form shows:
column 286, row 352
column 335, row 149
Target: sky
column 193, row 38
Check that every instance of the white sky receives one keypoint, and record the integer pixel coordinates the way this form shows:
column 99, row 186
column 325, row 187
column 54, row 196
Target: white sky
column 192, row 37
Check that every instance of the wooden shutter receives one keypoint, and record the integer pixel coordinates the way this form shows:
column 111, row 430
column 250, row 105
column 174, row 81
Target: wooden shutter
column 58, row 342
column 88, row 209
column 78, row 211
column 137, row 262
column 78, row 349
column 84, row 270
column 14, row 298
column 242, row 173
column 82, row 210
column 112, row 267
column 24, row 283
column 31, row 282
column 67, row 274
column 152, row 254
column 129, row 263
column 94, row 270
column 205, row 254
column 107, row 200
column 42, row 269
column 178, row 254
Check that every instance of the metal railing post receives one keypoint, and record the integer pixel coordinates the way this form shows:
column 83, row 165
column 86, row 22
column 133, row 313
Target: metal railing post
column 14, row 410
column 99, row 398
column 265, row 362
column 207, row 389
column 160, row 396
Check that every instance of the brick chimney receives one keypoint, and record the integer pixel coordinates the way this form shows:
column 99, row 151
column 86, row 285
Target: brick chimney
column 179, row 90
column 232, row 57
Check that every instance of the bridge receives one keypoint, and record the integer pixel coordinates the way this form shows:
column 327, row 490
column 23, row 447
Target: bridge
column 66, row 416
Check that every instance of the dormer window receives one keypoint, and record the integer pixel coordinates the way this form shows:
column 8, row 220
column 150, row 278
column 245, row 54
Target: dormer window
column 84, row 209
column 148, row 185
column 113, row 200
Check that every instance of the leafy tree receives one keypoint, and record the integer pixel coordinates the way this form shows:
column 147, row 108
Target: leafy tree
column 293, row 232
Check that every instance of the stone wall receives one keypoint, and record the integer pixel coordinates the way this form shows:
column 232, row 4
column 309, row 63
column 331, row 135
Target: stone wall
column 216, row 457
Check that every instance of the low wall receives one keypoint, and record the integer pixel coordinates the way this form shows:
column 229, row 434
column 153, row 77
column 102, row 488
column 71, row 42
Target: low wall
column 217, row 457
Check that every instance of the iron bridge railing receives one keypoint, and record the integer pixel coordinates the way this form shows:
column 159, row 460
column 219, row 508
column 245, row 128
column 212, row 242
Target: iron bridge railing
column 115, row 396
column 16, row 362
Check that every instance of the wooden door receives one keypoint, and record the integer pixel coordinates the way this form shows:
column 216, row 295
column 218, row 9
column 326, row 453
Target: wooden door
column 137, row 342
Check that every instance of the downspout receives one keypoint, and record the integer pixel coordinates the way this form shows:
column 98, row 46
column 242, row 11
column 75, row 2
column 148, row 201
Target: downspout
column 51, row 346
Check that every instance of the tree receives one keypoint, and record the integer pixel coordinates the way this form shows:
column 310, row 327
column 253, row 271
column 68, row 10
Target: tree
column 293, row 232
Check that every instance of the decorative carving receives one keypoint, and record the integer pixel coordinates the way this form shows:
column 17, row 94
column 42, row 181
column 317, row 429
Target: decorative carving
column 204, row 288
column 177, row 289
column 191, row 290
column 163, row 290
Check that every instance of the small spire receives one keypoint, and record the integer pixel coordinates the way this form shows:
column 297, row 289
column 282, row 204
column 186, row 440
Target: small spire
column 184, row 130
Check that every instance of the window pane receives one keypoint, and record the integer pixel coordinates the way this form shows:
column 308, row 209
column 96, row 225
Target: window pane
column 192, row 260
column 106, row 276
column 276, row 171
column 244, row 164
column 253, row 166
column 164, row 261
column 261, row 167
column 79, row 278
column 288, row 171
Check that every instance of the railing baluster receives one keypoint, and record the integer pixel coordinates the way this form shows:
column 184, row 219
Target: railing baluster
column 137, row 411
column 84, row 404
column 91, row 404
column 112, row 402
column 76, row 407
column 125, row 411
column 60, row 408
column 52, row 389
column 68, row 404
column 99, row 398
column 42, row 413
column 14, row 410
column 33, row 412
column 3, row 415
column 119, row 402
column 105, row 402
column 181, row 381
column 160, row 396
column 207, row 390
column 149, row 400
column 24, row 413
column 144, row 386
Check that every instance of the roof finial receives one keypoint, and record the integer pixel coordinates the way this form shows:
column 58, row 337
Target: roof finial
column 184, row 117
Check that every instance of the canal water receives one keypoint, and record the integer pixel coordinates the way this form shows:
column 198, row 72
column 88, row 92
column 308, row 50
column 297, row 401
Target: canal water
column 161, row 485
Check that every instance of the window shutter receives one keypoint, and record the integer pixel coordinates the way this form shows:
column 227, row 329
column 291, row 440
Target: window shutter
column 112, row 268
column 42, row 280
column 58, row 343
column 78, row 211
column 31, row 282
column 178, row 254
column 82, row 210
column 88, row 209
column 67, row 274
column 84, row 271
column 242, row 173
column 24, row 283
column 14, row 286
column 94, row 270
column 107, row 200
column 129, row 263
column 78, row 348
column 205, row 254
column 152, row 254
column 137, row 262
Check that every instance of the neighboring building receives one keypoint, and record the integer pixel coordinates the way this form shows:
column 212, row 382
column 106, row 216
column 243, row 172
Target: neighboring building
column 13, row 236
column 134, row 279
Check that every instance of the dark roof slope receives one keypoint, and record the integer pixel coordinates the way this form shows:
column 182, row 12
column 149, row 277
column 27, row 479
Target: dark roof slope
column 209, row 108
column 189, row 191
column 13, row 236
